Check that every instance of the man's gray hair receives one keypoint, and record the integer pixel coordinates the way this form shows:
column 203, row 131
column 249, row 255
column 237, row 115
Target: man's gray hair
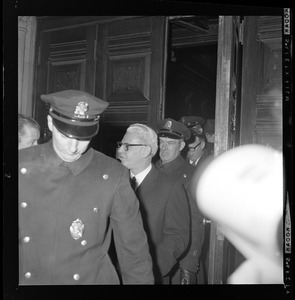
column 146, row 135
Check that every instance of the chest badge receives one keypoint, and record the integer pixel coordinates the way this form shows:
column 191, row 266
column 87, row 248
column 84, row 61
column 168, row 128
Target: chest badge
column 77, row 229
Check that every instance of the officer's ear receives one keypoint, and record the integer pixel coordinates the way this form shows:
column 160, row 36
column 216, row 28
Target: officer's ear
column 182, row 144
column 49, row 122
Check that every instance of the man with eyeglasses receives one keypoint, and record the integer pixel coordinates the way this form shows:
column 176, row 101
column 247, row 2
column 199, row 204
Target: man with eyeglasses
column 172, row 140
column 198, row 156
column 197, row 152
column 163, row 204
column 71, row 199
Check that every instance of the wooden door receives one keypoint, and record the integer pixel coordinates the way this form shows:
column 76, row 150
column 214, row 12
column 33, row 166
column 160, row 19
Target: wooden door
column 65, row 60
column 262, row 94
column 221, row 252
column 131, row 60
column 118, row 59
column 248, row 105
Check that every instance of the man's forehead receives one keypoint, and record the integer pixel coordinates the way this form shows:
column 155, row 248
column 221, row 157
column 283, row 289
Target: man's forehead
column 131, row 136
column 29, row 130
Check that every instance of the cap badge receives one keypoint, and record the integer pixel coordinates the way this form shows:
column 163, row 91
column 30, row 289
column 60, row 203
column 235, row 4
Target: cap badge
column 81, row 109
column 77, row 229
column 168, row 125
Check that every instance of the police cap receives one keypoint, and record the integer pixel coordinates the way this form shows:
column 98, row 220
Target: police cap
column 191, row 121
column 173, row 129
column 75, row 113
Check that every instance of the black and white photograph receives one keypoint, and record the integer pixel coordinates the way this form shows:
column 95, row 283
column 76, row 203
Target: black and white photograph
column 154, row 148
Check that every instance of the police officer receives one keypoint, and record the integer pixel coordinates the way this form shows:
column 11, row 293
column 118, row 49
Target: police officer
column 172, row 139
column 198, row 156
column 194, row 123
column 71, row 197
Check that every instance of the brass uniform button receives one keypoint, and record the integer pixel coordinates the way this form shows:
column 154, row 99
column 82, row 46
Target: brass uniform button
column 26, row 239
column 76, row 277
column 23, row 170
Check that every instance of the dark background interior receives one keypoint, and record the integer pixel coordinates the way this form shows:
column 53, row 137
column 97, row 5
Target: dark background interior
column 191, row 82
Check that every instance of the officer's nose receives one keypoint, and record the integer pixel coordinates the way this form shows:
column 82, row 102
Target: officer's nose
column 73, row 145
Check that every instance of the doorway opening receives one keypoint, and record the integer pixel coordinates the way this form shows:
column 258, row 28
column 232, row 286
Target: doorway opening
column 191, row 82
column 191, row 86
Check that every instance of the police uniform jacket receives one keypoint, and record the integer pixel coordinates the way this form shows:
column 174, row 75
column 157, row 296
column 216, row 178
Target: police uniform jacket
column 166, row 219
column 66, row 214
column 179, row 170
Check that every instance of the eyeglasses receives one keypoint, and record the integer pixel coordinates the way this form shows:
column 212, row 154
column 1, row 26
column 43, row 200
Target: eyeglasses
column 194, row 148
column 127, row 145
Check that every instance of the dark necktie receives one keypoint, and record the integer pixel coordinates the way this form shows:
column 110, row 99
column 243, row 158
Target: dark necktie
column 133, row 183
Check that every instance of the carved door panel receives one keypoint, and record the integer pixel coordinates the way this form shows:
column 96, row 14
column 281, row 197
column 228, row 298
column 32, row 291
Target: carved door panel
column 130, row 76
column 65, row 61
column 222, row 255
column 119, row 60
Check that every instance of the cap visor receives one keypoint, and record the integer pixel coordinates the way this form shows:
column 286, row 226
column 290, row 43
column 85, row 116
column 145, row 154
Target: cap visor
column 76, row 132
column 170, row 135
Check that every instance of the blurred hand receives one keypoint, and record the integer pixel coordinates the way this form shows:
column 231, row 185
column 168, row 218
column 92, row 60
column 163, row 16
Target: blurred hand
column 187, row 277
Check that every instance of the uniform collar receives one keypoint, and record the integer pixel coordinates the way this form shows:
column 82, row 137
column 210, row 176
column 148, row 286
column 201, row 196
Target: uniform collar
column 173, row 165
column 75, row 167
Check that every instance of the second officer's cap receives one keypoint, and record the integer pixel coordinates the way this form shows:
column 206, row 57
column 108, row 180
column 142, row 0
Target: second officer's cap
column 173, row 129
column 194, row 123
column 191, row 121
column 75, row 113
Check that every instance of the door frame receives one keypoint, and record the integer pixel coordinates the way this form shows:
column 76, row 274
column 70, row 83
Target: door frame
column 225, row 129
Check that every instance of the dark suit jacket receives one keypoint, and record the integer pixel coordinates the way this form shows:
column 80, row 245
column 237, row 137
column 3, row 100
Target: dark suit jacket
column 166, row 219
column 93, row 192
column 206, row 156
column 180, row 171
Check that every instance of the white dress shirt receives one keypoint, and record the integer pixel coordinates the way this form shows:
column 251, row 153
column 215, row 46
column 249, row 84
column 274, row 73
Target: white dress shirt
column 140, row 176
